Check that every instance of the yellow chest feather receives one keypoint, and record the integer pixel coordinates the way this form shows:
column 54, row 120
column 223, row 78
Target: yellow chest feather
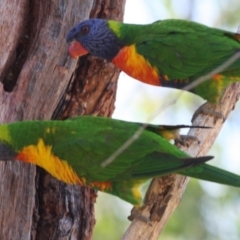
column 42, row 156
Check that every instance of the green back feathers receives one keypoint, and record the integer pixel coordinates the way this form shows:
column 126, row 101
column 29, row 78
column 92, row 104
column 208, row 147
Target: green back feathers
column 21, row 134
column 92, row 136
column 127, row 33
column 184, row 50
column 181, row 49
column 171, row 45
column 99, row 139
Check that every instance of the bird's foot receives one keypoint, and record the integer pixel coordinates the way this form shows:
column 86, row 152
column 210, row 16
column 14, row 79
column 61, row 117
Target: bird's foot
column 138, row 213
column 208, row 109
column 185, row 139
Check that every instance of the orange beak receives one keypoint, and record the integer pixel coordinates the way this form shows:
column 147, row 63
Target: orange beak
column 76, row 50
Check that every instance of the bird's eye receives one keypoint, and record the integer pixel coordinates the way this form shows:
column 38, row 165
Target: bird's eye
column 84, row 29
column 69, row 41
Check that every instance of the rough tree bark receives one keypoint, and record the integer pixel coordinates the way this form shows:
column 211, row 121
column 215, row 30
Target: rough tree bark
column 40, row 81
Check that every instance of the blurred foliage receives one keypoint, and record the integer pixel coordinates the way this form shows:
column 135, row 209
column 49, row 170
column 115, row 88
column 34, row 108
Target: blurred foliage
column 111, row 215
column 207, row 211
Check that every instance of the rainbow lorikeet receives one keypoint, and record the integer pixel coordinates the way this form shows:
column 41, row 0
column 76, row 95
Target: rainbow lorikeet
column 74, row 151
column 168, row 53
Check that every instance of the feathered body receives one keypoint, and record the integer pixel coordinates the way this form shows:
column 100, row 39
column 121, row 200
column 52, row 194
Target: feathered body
column 168, row 53
column 73, row 151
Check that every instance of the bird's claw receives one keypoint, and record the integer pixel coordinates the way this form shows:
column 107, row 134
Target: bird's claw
column 184, row 139
column 137, row 213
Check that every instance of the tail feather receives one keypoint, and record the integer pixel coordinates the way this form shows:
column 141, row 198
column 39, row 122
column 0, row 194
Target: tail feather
column 153, row 168
column 213, row 174
column 191, row 162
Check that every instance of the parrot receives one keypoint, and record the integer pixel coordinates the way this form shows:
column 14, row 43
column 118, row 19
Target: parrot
column 74, row 151
column 169, row 53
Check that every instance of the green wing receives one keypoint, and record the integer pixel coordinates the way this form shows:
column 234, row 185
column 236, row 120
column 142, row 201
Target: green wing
column 128, row 165
column 130, row 169
column 182, row 49
column 85, row 154
column 213, row 174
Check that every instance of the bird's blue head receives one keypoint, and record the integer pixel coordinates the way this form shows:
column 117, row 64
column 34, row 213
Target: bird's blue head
column 95, row 37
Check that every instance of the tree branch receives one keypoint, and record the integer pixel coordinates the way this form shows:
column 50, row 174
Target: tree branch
column 164, row 194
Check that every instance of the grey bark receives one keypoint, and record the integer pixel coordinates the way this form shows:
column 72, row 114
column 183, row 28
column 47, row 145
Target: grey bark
column 40, row 81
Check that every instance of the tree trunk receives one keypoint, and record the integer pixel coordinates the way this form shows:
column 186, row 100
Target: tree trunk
column 40, row 81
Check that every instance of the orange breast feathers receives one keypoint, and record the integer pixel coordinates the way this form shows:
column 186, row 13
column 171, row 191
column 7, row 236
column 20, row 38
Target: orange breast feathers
column 136, row 66
column 41, row 155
